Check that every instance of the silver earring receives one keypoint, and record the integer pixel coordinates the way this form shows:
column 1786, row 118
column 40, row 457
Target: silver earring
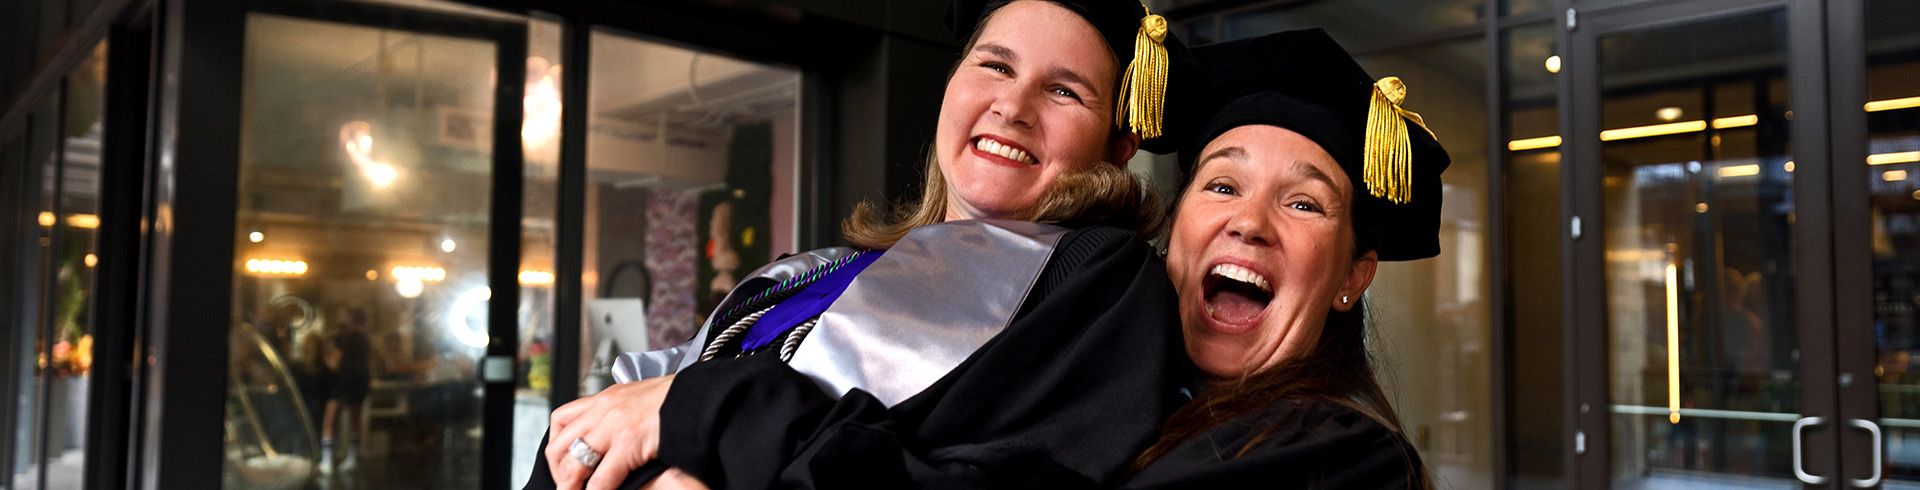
column 1343, row 299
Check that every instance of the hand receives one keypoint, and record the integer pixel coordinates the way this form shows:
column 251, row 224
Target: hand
column 674, row 479
column 622, row 423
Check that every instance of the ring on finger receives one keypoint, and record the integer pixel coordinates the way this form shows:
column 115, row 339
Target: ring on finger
column 583, row 453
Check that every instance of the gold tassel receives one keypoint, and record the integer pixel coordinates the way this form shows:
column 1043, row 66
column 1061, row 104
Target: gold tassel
column 1387, row 158
column 1144, row 89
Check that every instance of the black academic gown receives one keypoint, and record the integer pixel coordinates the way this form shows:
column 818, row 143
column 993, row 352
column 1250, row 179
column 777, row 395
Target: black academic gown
column 1312, row 444
column 1066, row 396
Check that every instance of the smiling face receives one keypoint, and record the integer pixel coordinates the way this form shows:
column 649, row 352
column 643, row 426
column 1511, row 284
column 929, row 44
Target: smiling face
column 1262, row 248
column 1030, row 101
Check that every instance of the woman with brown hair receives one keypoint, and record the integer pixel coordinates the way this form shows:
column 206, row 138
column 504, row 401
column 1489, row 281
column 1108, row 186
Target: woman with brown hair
column 1310, row 175
column 1008, row 329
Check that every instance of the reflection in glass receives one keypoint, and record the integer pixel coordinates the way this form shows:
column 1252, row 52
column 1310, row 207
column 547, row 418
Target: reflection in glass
column 1356, row 21
column 1893, row 128
column 32, row 349
column 361, row 254
column 690, row 185
column 1431, row 315
column 540, row 144
column 1537, row 447
column 1698, row 234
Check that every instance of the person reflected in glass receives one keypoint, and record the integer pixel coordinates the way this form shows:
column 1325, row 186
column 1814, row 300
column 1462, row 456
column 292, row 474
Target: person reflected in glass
column 1310, row 175
column 1008, row 329
column 349, row 363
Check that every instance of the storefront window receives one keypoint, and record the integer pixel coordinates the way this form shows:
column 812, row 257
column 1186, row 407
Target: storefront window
column 32, row 357
column 361, row 284
column 1430, row 316
column 690, row 186
column 1893, row 147
column 540, row 142
column 1537, row 450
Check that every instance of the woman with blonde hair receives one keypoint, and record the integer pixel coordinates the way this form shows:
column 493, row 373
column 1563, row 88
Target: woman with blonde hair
column 1008, row 329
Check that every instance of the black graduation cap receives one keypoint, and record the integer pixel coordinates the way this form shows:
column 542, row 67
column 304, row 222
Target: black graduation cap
column 1163, row 93
column 1305, row 82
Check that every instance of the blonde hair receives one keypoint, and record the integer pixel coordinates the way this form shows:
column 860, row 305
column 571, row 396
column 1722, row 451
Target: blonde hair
column 1102, row 195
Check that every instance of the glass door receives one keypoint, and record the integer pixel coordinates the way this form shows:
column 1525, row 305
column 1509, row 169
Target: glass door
column 368, row 249
column 1688, row 261
column 1877, row 184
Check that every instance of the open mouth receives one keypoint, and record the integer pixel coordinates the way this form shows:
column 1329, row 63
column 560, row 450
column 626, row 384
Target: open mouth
column 1003, row 150
column 1236, row 295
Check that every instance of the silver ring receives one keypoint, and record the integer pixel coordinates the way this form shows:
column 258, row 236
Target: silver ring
column 583, row 453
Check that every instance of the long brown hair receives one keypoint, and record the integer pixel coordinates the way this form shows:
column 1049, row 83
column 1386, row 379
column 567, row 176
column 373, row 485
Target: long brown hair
column 1106, row 194
column 1337, row 370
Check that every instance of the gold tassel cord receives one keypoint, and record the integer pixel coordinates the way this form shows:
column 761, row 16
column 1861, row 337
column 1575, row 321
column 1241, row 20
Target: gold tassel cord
column 1144, row 89
column 1387, row 159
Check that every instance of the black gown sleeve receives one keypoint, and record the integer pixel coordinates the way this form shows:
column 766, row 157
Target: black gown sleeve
column 1308, row 444
column 1065, row 397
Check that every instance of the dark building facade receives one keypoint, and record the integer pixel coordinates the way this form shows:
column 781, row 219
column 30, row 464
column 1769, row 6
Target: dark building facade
column 1679, row 239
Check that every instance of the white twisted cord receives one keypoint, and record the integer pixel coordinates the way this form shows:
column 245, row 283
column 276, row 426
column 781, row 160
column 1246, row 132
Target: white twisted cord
column 738, row 328
column 794, row 338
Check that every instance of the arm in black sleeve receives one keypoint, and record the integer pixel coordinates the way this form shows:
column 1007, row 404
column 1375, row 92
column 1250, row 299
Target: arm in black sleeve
column 1065, row 397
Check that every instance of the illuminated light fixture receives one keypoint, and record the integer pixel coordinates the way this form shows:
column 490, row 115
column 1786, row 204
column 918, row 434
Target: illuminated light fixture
column 372, row 274
column 1673, row 344
column 1553, row 64
column 277, row 267
column 1700, row 207
column 1891, row 104
column 409, row 288
column 1886, row 158
column 1788, row 166
column 77, row 221
column 1533, row 143
column 92, row 260
column 536, row 278
column 1739, row 171
column 357, row 138
column 542, row 104
column 427, row 274
column 457, row 321
column 447, row 245
column 256, row 237
column 1894, row 175
column 1916, row 195
column 1736, row 121
column 1669, row 114
column 1654, row 130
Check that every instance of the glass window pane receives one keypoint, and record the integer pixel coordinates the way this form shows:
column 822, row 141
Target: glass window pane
column 15, row 237
column 33, row 350
column 691, row 163
column 540, row 144
column 74, row 259
column 1431, row 315
column 1533, row 253
column 1893, row 145
column 1356, row 21
column 360, row 283
column 1698, row 234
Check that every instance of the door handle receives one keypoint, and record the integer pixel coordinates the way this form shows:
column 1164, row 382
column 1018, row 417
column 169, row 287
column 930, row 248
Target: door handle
column 1799, row 463
column 1872, row 428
